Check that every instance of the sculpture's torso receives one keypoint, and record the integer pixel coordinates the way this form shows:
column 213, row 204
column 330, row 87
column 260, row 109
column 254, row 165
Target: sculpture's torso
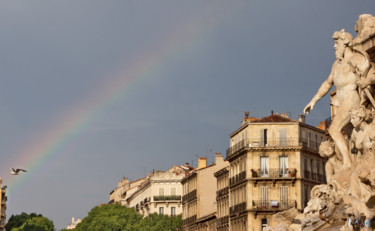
column 345, row 82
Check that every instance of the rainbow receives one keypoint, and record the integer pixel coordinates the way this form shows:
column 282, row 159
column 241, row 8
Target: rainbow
column 34, row 156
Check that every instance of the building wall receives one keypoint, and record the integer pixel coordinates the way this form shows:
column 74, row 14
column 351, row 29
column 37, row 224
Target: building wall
column 199, row 209
column 122, row 186
column 3, row 199
column 160, row 193
column 255, row 194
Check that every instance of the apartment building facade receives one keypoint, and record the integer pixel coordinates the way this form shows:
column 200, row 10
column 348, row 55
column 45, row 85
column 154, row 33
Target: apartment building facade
column 222, row 199
column 274, row 163
column 3, row 199
column 199, row 196
column 160, row 193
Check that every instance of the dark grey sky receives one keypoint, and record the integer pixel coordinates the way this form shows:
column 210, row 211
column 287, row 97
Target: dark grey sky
column 212, row 60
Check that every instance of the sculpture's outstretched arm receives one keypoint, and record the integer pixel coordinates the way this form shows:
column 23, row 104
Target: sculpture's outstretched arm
column 323, row 90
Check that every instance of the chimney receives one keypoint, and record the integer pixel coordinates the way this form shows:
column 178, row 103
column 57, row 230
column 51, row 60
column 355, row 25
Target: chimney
column 202, row 162
column 302, row 118
column 219, row 158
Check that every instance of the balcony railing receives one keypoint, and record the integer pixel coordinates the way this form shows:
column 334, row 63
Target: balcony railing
column 190, row 196
column 273, row 205
column 222, row 192
column 222, row 220
column 264, row 143
column 273, row 173
column 189, row 220
column 238, row 208
column 237, row 178
column 167, row 198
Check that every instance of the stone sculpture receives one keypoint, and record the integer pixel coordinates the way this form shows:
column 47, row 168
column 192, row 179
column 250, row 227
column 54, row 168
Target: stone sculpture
column 365, row 27
column 347, row 95
column 347, row 201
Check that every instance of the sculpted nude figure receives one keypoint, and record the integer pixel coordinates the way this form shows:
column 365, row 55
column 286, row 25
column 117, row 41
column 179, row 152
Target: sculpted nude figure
column 361, row 137
column 347, row 96
column 334, row 163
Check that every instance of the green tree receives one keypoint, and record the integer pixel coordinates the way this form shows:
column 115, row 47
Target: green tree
column 114, row 217
column 110, row 217
column 156, row 222
column 16, row 221
column 38, row 224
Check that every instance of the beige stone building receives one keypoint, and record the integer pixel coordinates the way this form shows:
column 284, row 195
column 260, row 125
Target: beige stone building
column 199, row 196
column 222, row 199
column 274, row 163
column 160, row 193
column 3, row 199
column 124, row 190
column 117, row 194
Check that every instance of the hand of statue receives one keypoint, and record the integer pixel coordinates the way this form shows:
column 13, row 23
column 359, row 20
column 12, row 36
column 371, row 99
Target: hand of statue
column 309, row 107
column 363, row 82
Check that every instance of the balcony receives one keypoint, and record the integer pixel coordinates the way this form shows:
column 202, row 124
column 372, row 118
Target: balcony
column 222, row 221
column 168, row 198
column 189, row 220
column 237, row 208
column 274, row 175
column 239, row 178
column 190, row 196
column 222, row 192
column 272, row 206
column 271, row 143
column 314, row 176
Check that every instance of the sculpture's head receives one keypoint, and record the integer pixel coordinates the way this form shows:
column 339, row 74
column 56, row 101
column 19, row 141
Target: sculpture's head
column 357, row 115
column 327, row 149
column 342, row 40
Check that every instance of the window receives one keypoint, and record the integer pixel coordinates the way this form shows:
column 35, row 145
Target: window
column 161, row 191
column 264, row 191
column 306, row 199
column 306, row 173
column 263, row 137
column 173, row 191
column 161, row 210
column 282, row 137
column 263, row 223
column 264, row 169
column 173, row 211
column 284, row 196
column 283, row 165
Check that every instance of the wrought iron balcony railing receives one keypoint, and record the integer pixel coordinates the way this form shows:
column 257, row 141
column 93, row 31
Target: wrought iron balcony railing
column 189, row 220
column 237, row 178
column 190, row 196
column 274, row 143
column 222, row 220
column 274, row 173
column 167, row 198
column 222, row 192
column 238, row 208
column 273, row 204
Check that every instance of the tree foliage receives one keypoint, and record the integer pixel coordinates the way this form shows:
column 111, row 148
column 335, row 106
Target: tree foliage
column 110, row 217
column 156, row 222
column 37, row 224
column 16, row 221
column 114, row 217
